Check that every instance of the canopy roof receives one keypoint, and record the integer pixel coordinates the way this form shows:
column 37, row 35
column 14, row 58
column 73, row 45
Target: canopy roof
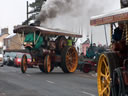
column 111, row 17
column 44, row 31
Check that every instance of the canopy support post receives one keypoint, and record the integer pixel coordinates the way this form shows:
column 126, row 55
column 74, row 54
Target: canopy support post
column 34, row 37
column 106, row 35
column 38, row 38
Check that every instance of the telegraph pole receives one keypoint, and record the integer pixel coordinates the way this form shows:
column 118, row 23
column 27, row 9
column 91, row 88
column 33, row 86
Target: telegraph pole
column 27, row 12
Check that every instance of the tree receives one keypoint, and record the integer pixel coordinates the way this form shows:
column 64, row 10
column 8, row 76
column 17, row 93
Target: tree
column 36, row 8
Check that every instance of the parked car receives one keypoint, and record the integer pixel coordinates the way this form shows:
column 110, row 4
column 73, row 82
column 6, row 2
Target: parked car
column 18, row 58
column 1, row 55
column 8, row 58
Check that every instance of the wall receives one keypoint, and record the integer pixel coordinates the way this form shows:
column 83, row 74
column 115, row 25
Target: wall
column 84, row 48
column 13, row 43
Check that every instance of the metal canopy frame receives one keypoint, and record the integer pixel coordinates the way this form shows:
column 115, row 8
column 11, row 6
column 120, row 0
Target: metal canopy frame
column 109, row 18
column 44, row 31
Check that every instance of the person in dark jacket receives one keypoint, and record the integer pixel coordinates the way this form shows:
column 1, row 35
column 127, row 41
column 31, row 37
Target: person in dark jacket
column 118, row 43
column 117, row 36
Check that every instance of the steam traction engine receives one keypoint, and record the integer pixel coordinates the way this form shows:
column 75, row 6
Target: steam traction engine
column 112, row 70
column 48, row 48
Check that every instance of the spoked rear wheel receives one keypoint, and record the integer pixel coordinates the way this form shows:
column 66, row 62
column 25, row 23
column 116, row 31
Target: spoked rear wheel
column 69, row 59
column 107, row 63
column 61, row 42
column 47, row 64
column 119, row 88
column 86, row 68
column 41, row 67
column 24, row 64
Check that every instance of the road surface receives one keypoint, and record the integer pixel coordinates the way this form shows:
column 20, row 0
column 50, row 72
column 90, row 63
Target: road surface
column 36, row 83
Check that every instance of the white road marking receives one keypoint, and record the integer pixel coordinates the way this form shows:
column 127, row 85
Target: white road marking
column 3, row 94
column 13, row 70
column 88, row 93
column 3, row 70
column 94, row 75
column 28, row 75
column 50, row 82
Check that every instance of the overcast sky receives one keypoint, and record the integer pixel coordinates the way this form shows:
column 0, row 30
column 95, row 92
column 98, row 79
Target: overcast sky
column 13, row 12
column 98, row 31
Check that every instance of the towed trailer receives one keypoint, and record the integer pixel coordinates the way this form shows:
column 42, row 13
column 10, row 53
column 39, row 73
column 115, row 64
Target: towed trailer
column 48, row 48
column 112, row 70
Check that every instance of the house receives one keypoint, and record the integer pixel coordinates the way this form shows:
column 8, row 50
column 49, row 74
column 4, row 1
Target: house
column 4, row 34
column 13, row 42
column 85, row 46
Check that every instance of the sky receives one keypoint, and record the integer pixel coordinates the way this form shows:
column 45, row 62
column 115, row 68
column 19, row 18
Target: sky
column 13, row 12
column 99, row 31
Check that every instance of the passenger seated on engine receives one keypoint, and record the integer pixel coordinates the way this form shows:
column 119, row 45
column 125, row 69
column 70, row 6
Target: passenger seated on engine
column 46, row 42
column 69, row 41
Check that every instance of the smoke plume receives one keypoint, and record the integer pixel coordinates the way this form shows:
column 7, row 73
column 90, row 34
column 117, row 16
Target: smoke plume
column 52, row 8
column 72, row 15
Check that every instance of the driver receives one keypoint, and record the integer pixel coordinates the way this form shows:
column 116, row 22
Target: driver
column 117, row 36
column 118, row 43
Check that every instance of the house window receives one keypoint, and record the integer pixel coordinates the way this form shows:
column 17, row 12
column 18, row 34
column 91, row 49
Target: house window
column 1, row 49
column 9, row 42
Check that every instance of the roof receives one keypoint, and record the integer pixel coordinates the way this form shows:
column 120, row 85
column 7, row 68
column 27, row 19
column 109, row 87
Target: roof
column 87, row 41
column 3, row 36
column 111, row 17
column 44, row 31
column 10, row 36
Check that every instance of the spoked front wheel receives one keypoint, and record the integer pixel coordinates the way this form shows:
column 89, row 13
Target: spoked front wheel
column 47, row 64
column 24, row 64
column 106, row 65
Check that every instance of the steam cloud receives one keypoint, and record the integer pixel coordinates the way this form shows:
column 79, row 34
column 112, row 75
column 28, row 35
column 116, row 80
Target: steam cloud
column 54, row 7
column 72, row 15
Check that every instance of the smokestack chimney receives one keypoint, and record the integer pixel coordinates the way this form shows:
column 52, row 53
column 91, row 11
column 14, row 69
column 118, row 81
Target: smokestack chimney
column 124, row 3
column 4, row 31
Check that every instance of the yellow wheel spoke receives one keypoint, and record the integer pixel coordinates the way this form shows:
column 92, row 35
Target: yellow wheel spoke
column 104, row 90
column 102, row 85
column 106, row 66
column 108, row 80
column 108, row 76
column 108, row 91
column 103, row 75
column 107, row 73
